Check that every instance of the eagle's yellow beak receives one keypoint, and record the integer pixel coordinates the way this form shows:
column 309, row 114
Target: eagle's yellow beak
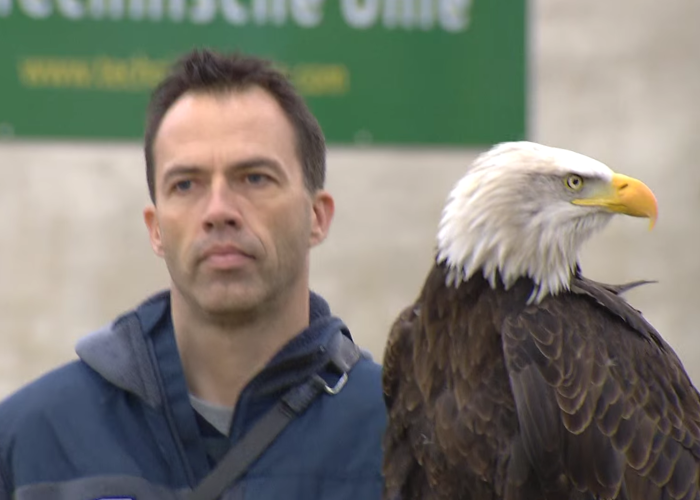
column 625, row 195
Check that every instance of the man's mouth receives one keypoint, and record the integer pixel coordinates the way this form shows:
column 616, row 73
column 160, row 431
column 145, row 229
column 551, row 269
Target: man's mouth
column 225, row 257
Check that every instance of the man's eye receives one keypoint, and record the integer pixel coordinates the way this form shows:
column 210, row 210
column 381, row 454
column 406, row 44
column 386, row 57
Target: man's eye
column 257, row 178
column 183, row 185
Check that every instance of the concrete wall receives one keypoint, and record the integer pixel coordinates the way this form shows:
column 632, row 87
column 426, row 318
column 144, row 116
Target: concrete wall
column 615, row 80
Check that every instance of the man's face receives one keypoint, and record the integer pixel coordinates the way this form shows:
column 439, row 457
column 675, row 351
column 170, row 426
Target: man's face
column 233, row 219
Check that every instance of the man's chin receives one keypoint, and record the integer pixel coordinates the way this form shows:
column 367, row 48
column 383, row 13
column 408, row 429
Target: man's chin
column 230, row 301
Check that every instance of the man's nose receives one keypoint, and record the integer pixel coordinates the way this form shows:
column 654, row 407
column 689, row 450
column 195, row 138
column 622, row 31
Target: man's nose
column 222, row 208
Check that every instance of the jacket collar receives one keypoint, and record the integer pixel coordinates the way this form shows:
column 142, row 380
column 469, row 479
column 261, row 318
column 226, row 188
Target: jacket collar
column 122, row 351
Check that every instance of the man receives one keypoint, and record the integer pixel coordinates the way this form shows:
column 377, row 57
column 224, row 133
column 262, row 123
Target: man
column 235, row 166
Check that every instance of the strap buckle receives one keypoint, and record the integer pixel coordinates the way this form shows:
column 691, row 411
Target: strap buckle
column 336, row 388
column 342, row 355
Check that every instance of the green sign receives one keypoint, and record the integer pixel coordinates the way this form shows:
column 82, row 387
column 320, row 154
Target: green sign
column 379, row 71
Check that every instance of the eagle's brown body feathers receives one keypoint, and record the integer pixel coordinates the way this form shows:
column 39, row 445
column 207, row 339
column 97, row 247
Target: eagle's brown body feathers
column 575, row 398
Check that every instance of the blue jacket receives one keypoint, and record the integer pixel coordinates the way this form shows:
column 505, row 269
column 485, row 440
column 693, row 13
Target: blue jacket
column 118, row 424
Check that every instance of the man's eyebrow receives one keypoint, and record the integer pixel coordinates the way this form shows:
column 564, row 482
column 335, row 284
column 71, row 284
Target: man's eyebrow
column 181, row 170
column 258, row 161
column 250, row 163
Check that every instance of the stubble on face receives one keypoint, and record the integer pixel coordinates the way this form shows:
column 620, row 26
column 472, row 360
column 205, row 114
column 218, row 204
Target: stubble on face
column 251, row 290
column 270, row 225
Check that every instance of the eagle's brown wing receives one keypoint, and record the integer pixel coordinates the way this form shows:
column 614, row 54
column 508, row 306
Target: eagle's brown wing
column 603, row 402
column 403, row 478
column 414, row 460
column 450, row 409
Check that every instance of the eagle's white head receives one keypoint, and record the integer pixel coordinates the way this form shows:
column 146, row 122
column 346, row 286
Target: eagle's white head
column 524, row 209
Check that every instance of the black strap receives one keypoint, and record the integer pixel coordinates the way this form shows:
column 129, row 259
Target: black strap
column 343, row 354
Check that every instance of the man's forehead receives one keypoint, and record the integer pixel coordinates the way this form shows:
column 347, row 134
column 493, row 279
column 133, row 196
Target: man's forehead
column 230, row 105
column 239, row 116
column 214, row 131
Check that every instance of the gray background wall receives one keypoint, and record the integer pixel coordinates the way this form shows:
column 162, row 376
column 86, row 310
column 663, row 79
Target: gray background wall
column 616, row 80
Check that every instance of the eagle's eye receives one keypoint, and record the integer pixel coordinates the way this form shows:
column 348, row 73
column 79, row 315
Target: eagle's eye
column 574, row 182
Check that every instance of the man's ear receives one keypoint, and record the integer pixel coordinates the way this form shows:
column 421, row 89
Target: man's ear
column 151, row 219
column 322, row 216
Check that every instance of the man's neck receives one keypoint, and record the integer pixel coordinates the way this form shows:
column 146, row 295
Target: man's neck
column 220, row 358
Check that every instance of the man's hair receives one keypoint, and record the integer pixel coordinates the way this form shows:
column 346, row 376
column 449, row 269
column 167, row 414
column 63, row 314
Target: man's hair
column 208, row 71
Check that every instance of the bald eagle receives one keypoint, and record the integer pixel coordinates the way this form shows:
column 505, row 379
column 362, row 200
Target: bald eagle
column 513, row 376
